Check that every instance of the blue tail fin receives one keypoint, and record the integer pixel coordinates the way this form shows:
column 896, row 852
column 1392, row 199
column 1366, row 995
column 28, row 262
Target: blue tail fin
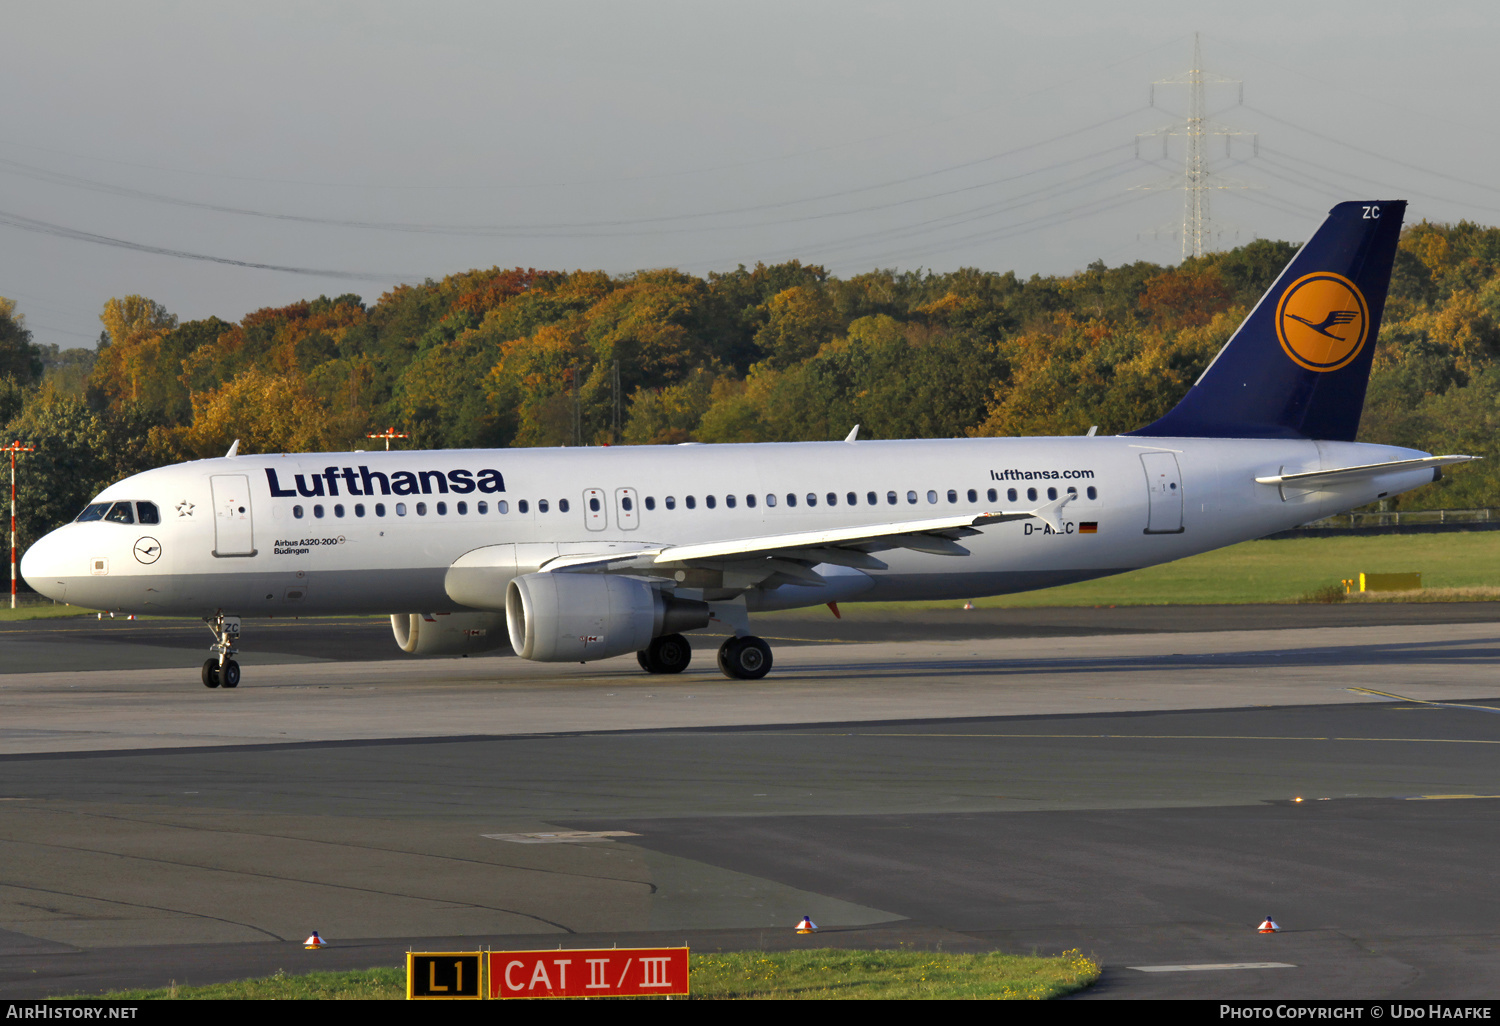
column 1298, row 366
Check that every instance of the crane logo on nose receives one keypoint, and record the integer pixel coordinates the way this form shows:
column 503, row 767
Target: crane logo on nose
column 1322, row 321
column 148, row 550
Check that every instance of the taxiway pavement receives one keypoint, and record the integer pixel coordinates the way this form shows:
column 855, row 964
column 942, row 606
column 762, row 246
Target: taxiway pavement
column 1127, row 790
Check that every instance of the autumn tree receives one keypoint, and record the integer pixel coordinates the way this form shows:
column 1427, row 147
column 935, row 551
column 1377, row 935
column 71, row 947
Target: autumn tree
column 19, row 359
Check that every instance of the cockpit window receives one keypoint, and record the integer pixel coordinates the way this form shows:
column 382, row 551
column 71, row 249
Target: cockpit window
column 146, row 513
column 120, row 513
column 95, row 511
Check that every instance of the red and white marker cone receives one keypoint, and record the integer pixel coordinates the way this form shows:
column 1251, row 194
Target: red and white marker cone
column 807, row 926
column 314, row 942
column 1269, row 926
column 969, row 604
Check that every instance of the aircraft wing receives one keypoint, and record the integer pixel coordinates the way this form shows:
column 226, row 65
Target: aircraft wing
column 1313, row 477
column 792, row 555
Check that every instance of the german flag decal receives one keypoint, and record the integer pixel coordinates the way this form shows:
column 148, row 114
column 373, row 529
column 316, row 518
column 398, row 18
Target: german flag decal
column 1089, row 527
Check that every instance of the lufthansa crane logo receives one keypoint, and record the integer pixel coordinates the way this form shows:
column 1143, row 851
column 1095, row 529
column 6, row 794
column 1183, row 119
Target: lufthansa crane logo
column 1322, row 321
column 147, row 550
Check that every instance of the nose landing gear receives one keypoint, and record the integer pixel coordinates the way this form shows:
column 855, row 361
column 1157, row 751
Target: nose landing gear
column 220, row 670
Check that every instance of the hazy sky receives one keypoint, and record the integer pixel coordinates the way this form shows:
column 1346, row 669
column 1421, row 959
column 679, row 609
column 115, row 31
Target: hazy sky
column 393, row 142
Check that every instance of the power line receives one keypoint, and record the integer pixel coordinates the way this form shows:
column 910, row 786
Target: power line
column 27, row 224
column 1371, row 153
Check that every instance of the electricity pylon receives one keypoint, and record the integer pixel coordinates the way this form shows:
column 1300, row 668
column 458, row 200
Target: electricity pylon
column 1196, row 179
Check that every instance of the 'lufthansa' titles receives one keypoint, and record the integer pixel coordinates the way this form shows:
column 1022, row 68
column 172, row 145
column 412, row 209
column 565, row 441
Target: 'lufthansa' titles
column 364, row 481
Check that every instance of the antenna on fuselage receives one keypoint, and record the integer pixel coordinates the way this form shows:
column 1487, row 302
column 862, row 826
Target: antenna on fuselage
column 233, row 449
column 853, row 435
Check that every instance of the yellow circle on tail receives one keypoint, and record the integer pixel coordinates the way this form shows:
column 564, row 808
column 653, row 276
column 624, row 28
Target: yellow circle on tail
column 1322, row 321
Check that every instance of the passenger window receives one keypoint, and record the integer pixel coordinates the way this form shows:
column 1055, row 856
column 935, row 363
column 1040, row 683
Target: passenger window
column 297, row 512
column 380, row 509
column 502, row 507
column 833, row 499
column 1051, row 493
column 931, row 496
column 911, row 498
column 481, row 508
column 852, row 499
column 562, row 505
column 974, row 496
column 318, row 511
column 1073, row 491
column 442, row 509
column 750, row 501
column 147, row 513
column 338, row 510
column 791, row 500
column 671, row 502
column 120, row 513
column 522, row 506
column 710, row 501
column 729, row 501
column 625, row 503
column 463, row 508
column 400, row 509
column 953, row 496
column 541, row 506
column 691, row 502
column 770, row 500
column 871, row 498
column 650, row 502
column 812, row 500
column 890, row 498
column 359, row 509
column 1031, row 494
column 594, row 505
column 993, row 496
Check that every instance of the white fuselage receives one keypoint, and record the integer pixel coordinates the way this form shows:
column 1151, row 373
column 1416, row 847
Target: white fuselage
column 225, row 543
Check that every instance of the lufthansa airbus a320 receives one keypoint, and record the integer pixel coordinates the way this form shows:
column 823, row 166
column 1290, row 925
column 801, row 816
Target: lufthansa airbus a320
column 584, row 554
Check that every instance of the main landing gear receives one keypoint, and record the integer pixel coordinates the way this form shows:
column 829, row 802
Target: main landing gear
column 746, row 658
column 667, row 654
column 219, row 670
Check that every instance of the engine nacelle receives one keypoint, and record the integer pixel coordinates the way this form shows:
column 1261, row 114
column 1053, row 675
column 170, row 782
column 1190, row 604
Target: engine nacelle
column 448, row 633
column 564, row 617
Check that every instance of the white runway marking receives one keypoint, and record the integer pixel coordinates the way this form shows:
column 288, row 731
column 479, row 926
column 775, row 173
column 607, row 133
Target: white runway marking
column 1209, row 965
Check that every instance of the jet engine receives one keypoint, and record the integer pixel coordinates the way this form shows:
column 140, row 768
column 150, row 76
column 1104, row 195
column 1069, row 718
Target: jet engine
column 448, row 633
column 563, row 617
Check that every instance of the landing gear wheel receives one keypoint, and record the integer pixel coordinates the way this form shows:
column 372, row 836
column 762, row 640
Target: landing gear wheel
column 669, row 653
column 747, row 658
column 220, row 670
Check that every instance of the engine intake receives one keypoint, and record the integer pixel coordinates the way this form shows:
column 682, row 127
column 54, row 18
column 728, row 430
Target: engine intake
column 563, row 617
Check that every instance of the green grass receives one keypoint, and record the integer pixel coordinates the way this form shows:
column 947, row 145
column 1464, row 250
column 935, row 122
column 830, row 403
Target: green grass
column 831, row 973
column 1284, row 570
column 39, row 611
column 821, row 973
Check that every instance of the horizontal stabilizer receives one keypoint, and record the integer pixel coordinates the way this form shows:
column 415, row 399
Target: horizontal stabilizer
column 1312, row 477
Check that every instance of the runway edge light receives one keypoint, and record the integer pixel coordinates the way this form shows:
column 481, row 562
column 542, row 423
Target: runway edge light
column 1269, row 926
column 314, row 942
column 807, row 925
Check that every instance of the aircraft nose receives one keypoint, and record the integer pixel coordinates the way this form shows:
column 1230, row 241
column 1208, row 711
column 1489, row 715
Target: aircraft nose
column 45, row 565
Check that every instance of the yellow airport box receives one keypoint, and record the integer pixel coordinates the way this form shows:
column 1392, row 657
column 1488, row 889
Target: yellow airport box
column 1390, row 582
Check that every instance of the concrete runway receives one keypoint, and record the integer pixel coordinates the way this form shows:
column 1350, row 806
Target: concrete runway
column 1118, row 781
